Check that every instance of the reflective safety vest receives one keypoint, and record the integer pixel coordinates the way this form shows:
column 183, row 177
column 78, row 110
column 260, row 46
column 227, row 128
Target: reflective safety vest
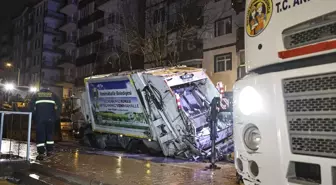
column 45, row 106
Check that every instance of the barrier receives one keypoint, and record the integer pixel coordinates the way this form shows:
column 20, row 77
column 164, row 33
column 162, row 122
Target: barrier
column 8, row 125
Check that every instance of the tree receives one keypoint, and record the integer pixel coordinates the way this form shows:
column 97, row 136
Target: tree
column 167, row 35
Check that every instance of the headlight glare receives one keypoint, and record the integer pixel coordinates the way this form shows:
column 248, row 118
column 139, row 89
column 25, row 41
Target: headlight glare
column 249, row 101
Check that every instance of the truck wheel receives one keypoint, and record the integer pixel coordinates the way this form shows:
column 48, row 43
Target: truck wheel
column 124, row 142
column 100, row 141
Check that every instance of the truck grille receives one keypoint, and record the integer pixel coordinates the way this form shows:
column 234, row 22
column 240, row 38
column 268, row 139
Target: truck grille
column 310, row 36
column 311, row 114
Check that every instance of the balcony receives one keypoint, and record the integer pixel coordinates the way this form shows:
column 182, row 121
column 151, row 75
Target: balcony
column 89, row 38
column 80, row 61
column 108, row 25
column 51, row 48
column 66, row 81
column 53, row 14
column 109, row 46
column 107, row 5
column 70, row 7
column 70, row 25
column 50, row 80
column 50, row 30
column 98, row 14
column 66, row 61
column 69, row 43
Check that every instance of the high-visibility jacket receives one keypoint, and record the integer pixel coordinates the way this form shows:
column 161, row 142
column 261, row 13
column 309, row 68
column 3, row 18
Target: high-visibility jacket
column 45, row 106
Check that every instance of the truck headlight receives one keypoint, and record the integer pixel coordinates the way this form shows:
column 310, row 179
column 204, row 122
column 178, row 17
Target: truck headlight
column 252, row 138
column 249, row 101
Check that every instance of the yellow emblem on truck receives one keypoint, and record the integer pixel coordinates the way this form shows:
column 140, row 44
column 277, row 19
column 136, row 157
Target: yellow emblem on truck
column 258, row 15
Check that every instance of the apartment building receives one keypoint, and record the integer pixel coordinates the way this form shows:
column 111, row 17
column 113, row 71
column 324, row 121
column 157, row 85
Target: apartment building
column 222, row 43
column 67, row 62
column 35, row 41
column 7, row 70
column 174, row 31
column 214, row 39
column 102, row 44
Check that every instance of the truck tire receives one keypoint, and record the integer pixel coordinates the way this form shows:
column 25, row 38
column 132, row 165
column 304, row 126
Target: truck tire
column 100, row 141
column 124, row 142
column 96, row 141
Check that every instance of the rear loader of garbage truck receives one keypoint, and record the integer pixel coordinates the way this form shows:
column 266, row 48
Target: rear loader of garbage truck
column 166, row 109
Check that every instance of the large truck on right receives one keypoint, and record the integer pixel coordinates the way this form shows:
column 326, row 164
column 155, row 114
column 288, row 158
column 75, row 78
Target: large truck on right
column 285, row 107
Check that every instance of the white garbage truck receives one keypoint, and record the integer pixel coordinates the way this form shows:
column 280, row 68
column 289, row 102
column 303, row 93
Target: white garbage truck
column 285, row 108
column 165, row 109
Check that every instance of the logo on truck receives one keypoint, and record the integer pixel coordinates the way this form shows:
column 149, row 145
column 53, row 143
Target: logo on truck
column 258, row 15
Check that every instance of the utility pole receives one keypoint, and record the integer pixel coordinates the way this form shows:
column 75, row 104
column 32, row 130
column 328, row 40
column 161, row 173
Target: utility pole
column 18, row 77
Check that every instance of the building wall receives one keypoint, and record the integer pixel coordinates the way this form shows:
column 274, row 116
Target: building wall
column 29, row 54
column 214, row 45
column 227, row 77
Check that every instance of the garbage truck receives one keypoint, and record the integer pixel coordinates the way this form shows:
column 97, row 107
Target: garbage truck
column 166, row 109
column 285, row 108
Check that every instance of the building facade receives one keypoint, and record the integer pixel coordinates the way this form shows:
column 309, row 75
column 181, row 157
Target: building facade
column 98, row 44
column 60, row 42
column 67, row 60
column 198, row 33
column 173, row 32
column 7, row 70
column 222, row 43
column 35, row 45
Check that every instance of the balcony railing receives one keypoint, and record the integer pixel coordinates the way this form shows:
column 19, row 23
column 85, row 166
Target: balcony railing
column 66, row 59
column 67, row 78
column 111, row 45
column 101, row 2
column 72, row 19
column 52, row 48
column 54, row 14
column 74, row 2
column 107, row 21
column 49, row 29
column 71, row 38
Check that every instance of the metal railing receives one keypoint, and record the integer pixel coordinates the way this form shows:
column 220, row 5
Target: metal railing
column 29, row 114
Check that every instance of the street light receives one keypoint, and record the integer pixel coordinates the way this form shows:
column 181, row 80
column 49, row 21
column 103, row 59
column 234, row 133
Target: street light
column 9, row 87
column 10, row 65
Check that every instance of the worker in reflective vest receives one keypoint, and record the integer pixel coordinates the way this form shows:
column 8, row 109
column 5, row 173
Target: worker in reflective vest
column 45, row 106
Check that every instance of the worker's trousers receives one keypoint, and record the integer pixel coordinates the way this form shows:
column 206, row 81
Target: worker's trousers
column 44, row 136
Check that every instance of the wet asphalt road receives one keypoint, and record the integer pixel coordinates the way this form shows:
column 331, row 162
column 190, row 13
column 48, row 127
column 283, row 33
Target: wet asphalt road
column 118, row 168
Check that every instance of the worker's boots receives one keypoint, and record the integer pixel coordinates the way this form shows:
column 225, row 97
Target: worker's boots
column 40, row 157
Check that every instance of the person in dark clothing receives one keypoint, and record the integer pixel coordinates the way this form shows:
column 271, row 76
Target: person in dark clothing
column 45, row 106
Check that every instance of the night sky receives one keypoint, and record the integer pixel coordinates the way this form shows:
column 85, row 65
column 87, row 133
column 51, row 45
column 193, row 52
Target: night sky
column 9, row 9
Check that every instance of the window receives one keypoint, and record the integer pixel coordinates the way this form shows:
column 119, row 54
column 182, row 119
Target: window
column 29, row 30
column 159, row 16
column 223, row 26
column 37, row 43
column 223, row 62
column 28, row 45
column 37, row 27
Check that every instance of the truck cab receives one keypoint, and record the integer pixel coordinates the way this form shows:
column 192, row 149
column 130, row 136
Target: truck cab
column 284, row 108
